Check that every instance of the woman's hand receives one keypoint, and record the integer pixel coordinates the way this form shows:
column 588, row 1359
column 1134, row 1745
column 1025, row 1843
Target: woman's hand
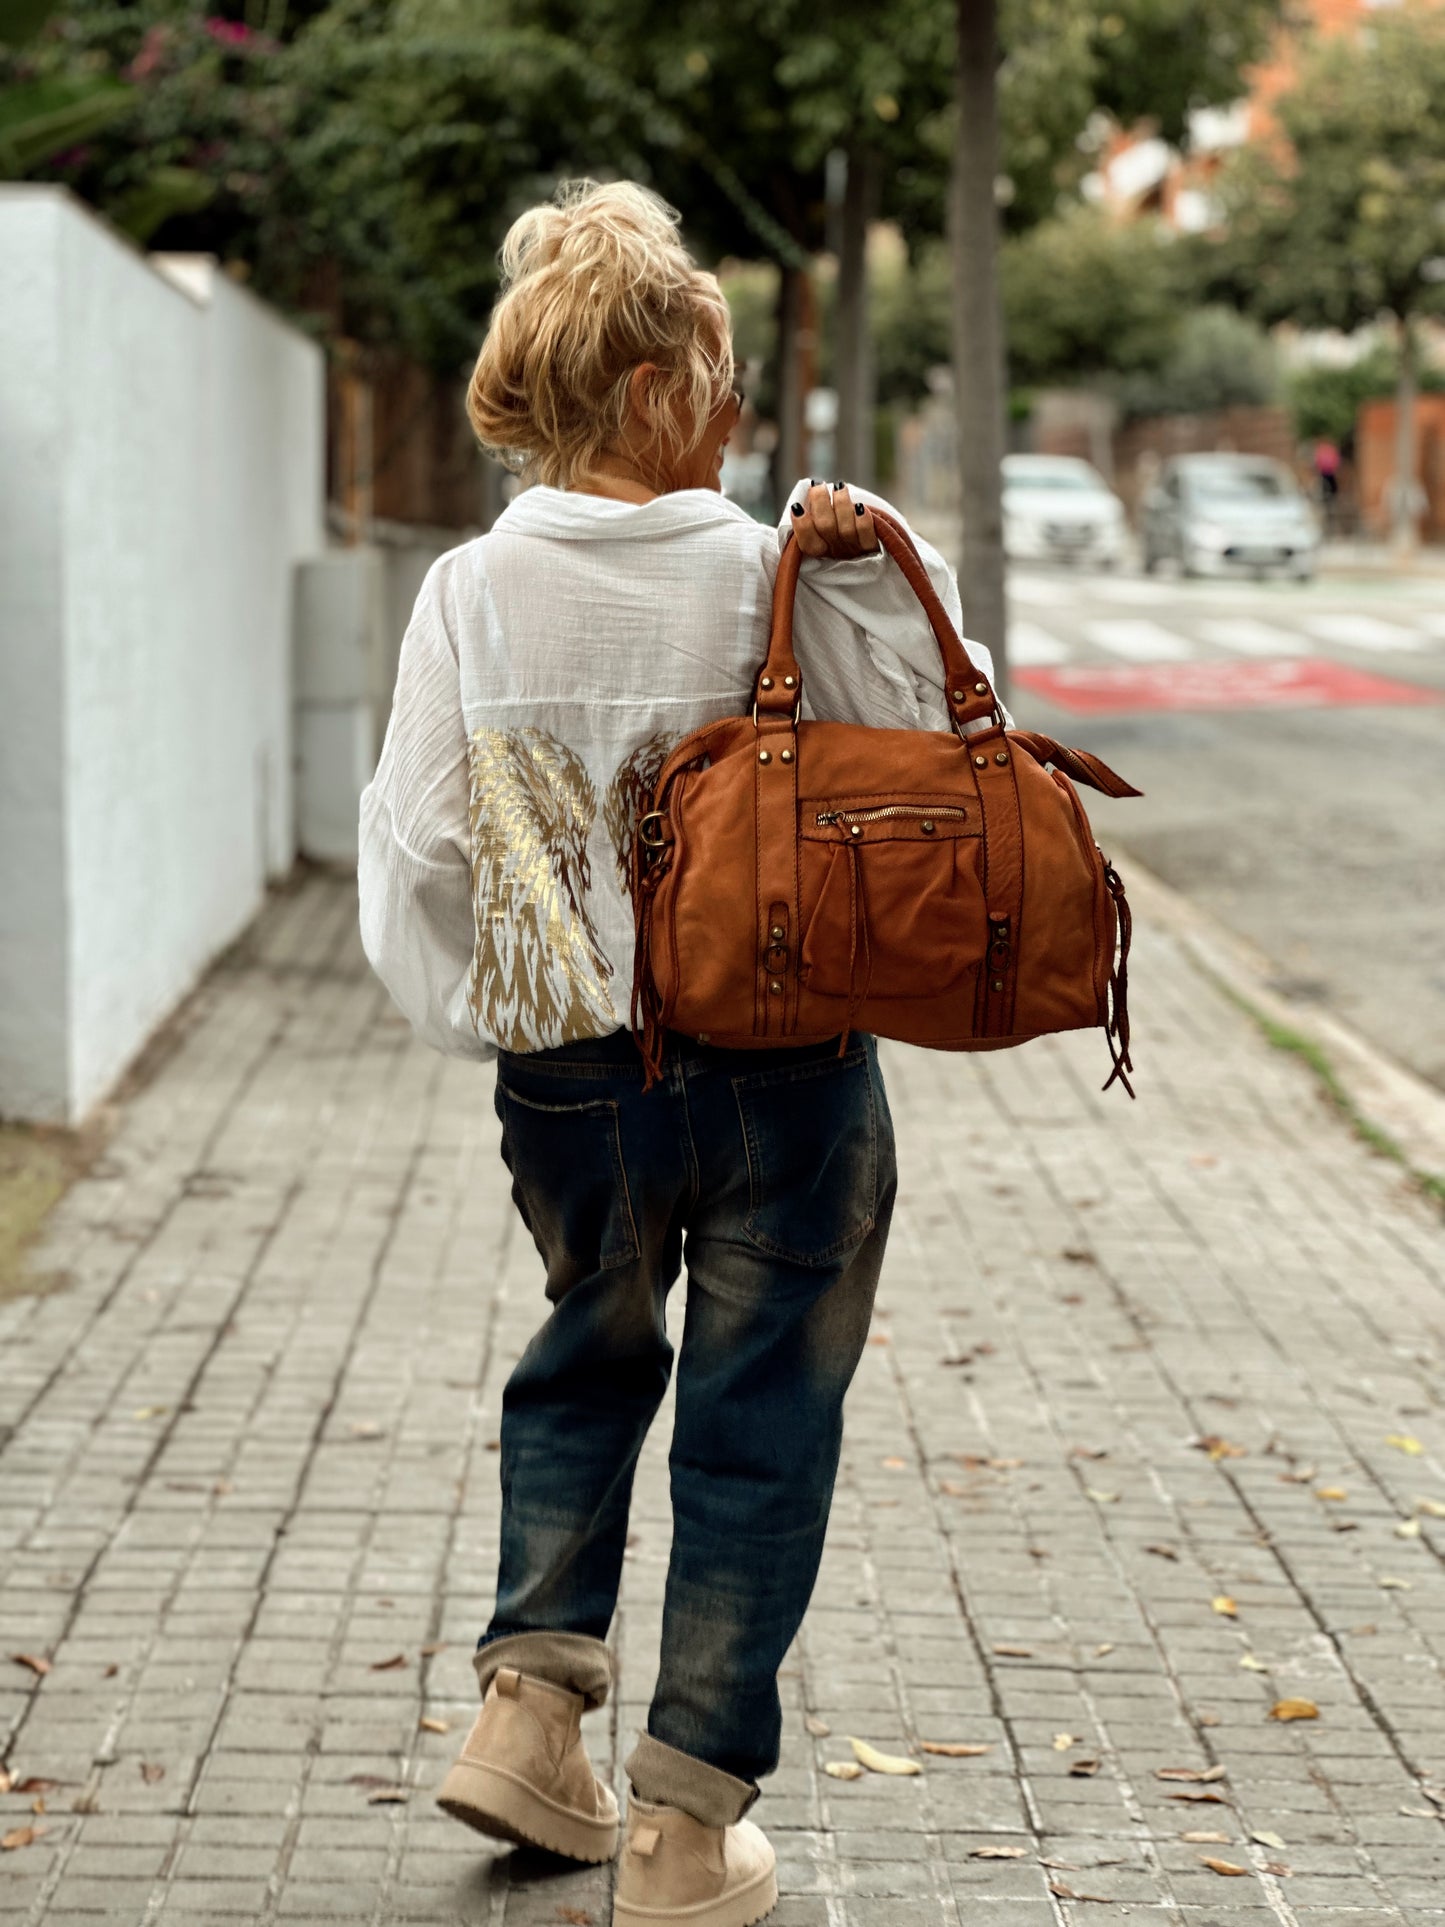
column 827, row 521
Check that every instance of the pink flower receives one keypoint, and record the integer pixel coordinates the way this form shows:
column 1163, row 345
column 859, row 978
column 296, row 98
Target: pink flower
column 230, row 33
column 152, row 51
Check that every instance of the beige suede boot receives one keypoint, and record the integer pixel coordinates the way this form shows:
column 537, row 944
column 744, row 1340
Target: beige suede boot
column 524, row 1773
column 675, row 1869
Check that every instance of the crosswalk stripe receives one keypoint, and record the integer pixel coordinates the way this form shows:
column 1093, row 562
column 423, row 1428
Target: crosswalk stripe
column 1042, row 591
column 1363, row 632
column 1030, row 647
column 1251, row 637
column 1138, row 639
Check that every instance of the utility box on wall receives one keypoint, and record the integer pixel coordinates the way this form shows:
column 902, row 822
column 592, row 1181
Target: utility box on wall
column 343, row 654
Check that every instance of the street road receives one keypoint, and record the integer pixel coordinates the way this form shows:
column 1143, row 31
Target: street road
column 1299, row 793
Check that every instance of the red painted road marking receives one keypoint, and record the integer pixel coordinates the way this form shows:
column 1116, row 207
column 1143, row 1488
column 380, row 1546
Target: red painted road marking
column 1307, row 682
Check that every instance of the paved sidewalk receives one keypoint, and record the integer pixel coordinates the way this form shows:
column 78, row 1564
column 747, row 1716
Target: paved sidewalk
column 1132, row 1364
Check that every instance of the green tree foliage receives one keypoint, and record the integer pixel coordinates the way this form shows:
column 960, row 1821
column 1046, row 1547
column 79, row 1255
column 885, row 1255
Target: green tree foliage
column 1325, row 400
column 1218, row 358
column 1348, row 219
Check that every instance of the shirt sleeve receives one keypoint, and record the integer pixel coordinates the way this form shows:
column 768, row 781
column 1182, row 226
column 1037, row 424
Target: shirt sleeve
column 414, row 864
column 862, row 641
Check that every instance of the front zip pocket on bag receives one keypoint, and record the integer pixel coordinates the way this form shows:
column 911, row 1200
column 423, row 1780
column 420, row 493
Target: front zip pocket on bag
column 891, row 897
column 926, row 817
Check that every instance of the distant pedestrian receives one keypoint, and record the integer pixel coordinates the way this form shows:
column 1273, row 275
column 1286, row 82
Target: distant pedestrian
column 1326, row 463
column 619, row 603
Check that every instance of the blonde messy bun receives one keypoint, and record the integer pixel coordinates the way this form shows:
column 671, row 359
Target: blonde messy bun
column 594, row 283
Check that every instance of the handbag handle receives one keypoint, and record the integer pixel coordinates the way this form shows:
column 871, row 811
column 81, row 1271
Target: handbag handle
column 778, row 691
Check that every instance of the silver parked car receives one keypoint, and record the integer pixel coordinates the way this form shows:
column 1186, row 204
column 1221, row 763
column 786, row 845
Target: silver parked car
column 1229, row 515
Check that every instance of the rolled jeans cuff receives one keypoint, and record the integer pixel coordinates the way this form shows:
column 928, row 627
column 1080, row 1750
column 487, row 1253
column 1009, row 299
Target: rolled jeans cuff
column 573, row 1660
column 662, row 1776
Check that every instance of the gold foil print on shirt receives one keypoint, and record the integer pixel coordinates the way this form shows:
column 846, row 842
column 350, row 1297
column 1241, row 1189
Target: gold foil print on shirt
column 630, row 793
column 539, row 976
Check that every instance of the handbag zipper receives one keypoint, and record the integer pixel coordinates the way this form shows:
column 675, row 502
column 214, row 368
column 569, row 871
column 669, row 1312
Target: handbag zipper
column 891, row 809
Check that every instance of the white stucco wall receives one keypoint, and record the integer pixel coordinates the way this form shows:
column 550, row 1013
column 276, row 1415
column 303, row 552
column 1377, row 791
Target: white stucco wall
column 161, row 472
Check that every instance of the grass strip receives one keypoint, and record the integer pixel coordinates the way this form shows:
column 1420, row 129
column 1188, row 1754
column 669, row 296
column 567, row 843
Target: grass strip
column 1430, row 1184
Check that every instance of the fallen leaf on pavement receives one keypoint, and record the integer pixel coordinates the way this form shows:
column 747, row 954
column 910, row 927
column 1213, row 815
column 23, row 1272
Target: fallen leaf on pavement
column 437, row 1646
column 1083, row 1769
column 368, row 1779
column 34, row 1783
column 1209, row 1719
column 1390, row 1584
column 1222, row 1603
column 957, row 1749
column 819, row 1729
column 388, row 1796
column 1266, row 1838
column 1279, row 1869
column 151, row 1773
column 1217, row 1447
column 151, row 1411
column 877, row 1762
column 1104, row 1646
column 1006, row 1651
column 843, row 1770
column 1419, row 1813
column 951, row 1489
column 1407, row 1529
column 1088, row 1452
column 1203, row 1836
column 39, row 1666
column 1065, row 1892
column 1435, row 1507
column 1293, row 1709
column 1205, row 1796
column 575, row 1917
column 1220, row 1866
column 1100, row 1497
column 1253, row 1665
column 1331, row 1492
column 1301, row 1477
column 997, row 1853
column 392, row 1665
column 1197, row 1774
column 1063, row 1741
column 895, row 1464
column 1163, row 1551
column 1403, row 1442
column 19, row 1837
column 365, row 1428
column 429, row 1723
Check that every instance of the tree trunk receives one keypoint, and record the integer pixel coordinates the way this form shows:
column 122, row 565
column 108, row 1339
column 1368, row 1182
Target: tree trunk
column 856, row 369
column 1404, row 524
column 977, row 330
column 795, row 354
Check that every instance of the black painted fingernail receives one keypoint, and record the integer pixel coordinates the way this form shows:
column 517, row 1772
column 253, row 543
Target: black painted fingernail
column 861, row 508
column 838, row 485
column 797, row 508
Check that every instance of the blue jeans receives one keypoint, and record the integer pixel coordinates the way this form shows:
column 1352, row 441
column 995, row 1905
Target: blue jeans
column 771, row 1174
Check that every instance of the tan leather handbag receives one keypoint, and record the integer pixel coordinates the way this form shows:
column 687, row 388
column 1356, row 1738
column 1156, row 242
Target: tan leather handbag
column 796, row 881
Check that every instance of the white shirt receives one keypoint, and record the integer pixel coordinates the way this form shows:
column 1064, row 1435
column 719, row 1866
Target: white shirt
column 548, row 669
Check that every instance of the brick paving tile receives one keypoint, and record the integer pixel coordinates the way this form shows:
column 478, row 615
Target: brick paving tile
column 1128, row 1362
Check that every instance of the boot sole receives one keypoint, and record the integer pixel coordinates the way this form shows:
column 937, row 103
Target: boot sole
column 492, row 1802
column 743, row 1907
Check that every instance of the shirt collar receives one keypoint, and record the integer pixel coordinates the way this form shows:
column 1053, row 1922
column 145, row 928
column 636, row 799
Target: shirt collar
column 569, row 515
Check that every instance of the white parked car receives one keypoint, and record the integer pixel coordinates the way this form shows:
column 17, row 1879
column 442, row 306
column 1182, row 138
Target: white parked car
column 1059, row 508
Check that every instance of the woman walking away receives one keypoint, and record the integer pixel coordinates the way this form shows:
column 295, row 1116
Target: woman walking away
column 618, row 604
